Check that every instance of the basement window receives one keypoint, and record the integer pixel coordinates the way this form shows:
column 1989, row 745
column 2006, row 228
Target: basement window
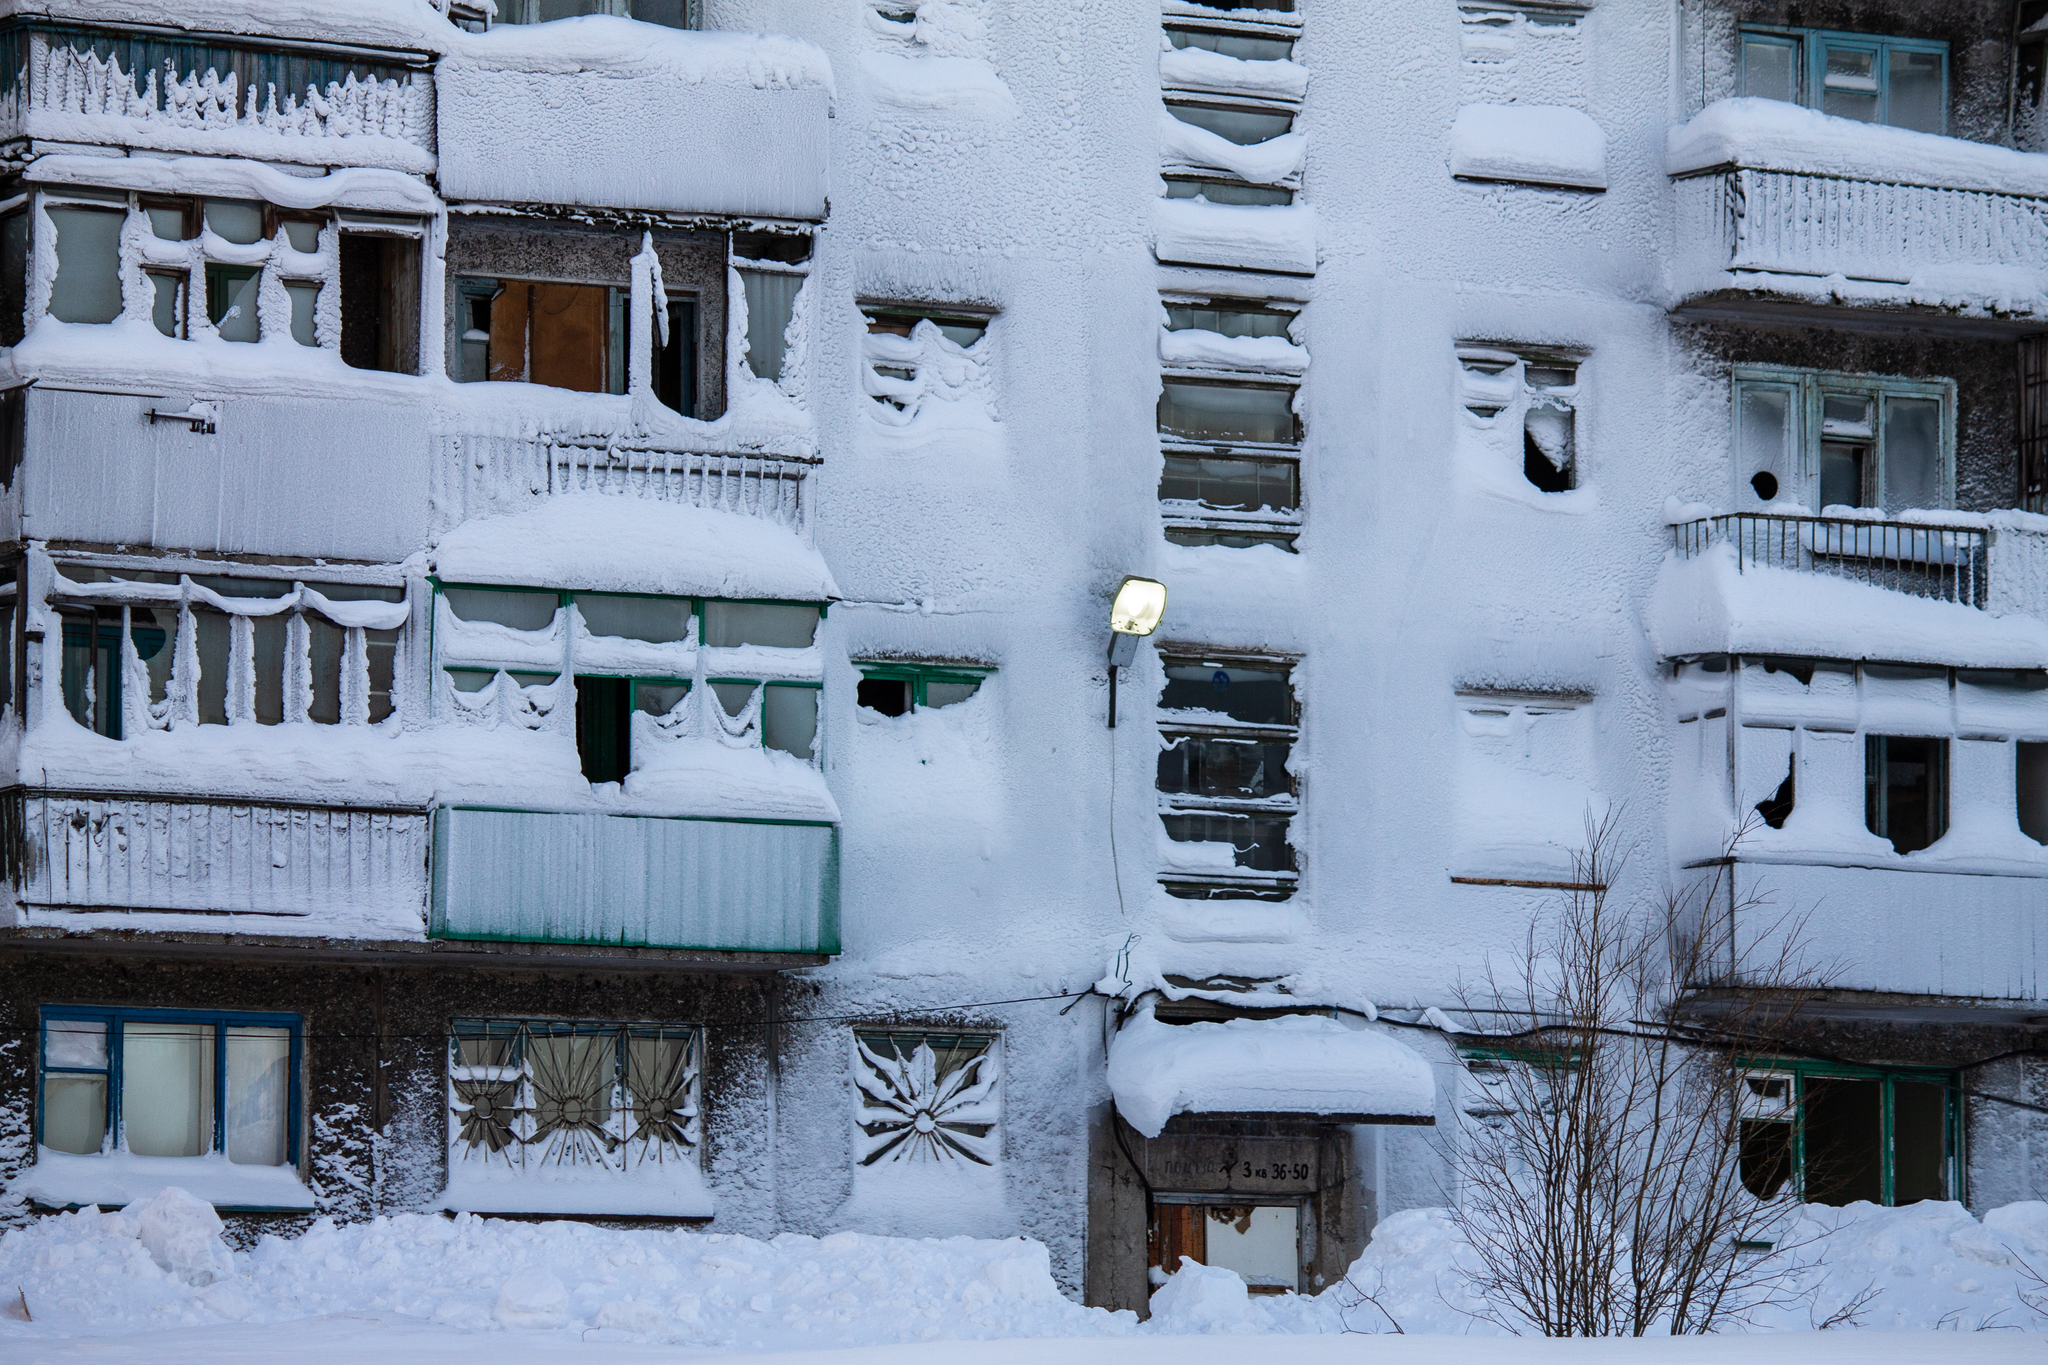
column 1830, row 1134
column 171, row 1083
column 895, row 688
column 1906, row 789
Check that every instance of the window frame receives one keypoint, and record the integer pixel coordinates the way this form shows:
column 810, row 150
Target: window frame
column 918, row 675
column 1194, row 520
column 1955, row 1169
column 1246, row 883
column 1810, row 69
column 114, row 1018
column 1810, row 388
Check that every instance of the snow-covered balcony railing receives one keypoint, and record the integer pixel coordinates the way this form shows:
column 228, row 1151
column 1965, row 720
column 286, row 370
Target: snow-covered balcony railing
column 589, row 877
column 271, row 99
column 69, row 852
column 478, row 475
column 1944, row 562
column 1790, row 206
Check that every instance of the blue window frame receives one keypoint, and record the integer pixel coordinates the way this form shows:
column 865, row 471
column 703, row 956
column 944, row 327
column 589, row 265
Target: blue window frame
column 1868, row 77
column 171, row 1083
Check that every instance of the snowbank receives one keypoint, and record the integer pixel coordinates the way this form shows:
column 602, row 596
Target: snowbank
column 1540, row 144
column 1773, row 135
column 63, row 1179
column 1295, row 1064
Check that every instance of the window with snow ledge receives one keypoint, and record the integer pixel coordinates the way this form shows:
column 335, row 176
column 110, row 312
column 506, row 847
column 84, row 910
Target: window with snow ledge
column 1828, row 1133
column 927, row 1099
column 898, row 687
column 921, row 357
column 667, row 13
column 536, row 302
column 1227, row 728
column 1528, row 392
column 1231, row 454
column 1522, row 53
column 1811, row 439
column 643, row 671
column 160, row 649
column 1525, row 785
column 1872, row 78
column 236, row 270
column 569, row 1116
column 168, row 1086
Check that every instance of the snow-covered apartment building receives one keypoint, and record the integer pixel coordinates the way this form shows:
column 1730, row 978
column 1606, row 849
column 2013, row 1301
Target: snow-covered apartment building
column 559, row 563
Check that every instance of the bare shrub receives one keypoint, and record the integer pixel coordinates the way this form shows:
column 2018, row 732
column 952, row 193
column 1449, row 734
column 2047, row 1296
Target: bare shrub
column 1602, row 1188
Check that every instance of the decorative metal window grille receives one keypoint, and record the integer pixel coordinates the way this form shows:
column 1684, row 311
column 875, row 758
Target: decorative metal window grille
column 530, row 1092
column 927, row 1097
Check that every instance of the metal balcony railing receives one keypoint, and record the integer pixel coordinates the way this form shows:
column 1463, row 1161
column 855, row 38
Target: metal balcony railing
column 1946, row 563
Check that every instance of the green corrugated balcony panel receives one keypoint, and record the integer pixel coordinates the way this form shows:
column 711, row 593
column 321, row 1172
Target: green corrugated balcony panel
column 588, row 877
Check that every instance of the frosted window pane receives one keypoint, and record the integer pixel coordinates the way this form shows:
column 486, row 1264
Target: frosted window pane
column 1849, row 83
column 1912, row 453
column 303, row 236
column 519, row 610
column 165, row 292
column 259, row 1095
column 1262, row 1245
column 167, row 1088
column 1225, row 412
column 771, row 299
column 729, row 624
column 789, row 720
column 75, row 1042
column 1766, row 439
column 1914, row 98
column 658, row 699
column 304, row 299
column 946, row 693
column 1229, row 322
column 733, row 696
column 74, row 1113
column 1242, row 126
column 658, row 620
column 236, row 220
column 1770, row 68
column 231, row 301
column 88, row 283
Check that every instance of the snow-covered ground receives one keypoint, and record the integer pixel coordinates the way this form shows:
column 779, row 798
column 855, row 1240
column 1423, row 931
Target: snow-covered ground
column 155, row 1283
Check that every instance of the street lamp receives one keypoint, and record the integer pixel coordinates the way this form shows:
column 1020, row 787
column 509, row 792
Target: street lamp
column 1135, row 613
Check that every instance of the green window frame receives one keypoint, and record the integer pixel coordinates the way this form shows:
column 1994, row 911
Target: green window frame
column 1784, row 425
column 1775, row 58
column 1810, row 1169
column 920, row 677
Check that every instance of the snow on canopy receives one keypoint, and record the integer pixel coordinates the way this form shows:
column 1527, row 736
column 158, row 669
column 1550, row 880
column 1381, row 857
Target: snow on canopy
column 1294, row 1064
column 600, row 543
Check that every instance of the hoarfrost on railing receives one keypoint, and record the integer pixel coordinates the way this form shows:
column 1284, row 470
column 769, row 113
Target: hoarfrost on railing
column 63, row 90
column 1946, row 563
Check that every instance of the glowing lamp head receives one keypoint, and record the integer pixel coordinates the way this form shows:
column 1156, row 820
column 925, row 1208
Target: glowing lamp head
column 1140, row 602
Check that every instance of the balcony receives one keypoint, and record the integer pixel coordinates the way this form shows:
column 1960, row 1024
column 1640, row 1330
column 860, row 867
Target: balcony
column 1946, row 563
column 1783, row 211
column 115, row 860
column 311, row 103
column 635, row 881
column 722, row 123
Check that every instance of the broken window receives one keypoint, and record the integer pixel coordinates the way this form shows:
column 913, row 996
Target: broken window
column 568, row 336
column 1226, row 730
column 1777, row 807
column 1834, row 1135
column 667, row 13
column 1261, row 1242
column 1906, row 789
column 1838, row 440
column 557, row 1095
column 380, row 297
column 1533, row 391
column 675, row 360
column 1871, row 78
column 927, row 1098
column 87, row 287
column 257, row 651
column 171, row 1083
column 897, row 688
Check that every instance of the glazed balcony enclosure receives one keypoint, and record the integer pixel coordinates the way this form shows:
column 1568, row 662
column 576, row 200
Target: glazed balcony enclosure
column 1783, row 210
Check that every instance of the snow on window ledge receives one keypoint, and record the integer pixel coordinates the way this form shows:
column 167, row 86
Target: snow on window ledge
column 668, row 1190
column 117, row 1179
column 1532, row 144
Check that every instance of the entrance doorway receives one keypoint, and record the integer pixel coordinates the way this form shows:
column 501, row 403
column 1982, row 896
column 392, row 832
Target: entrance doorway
column 1261, row 1242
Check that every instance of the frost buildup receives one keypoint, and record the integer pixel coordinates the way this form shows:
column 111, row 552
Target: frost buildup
column 1540, row 388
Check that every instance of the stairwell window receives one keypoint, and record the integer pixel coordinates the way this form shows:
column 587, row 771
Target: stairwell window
column 1871, row 78
column 1227, row 726
column 1231, row 463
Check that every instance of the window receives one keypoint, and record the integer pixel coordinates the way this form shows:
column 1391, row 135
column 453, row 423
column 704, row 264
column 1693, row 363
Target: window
column 630, row 661
column 14, row 240
column 1905, row 782
column 88, row 283
column 771, row 303
column 927, row 1098
column 1832, row 1134
column 675, row 362
column 548, row 1095
column 568, row 336
column 914, row 352
column 1872, row 79
column 2032, row 791
column 1261, row 1242
column 1837, row 440
column 1536, row 391
column 1226, row 730
column 337, row 642
column 1246, row 125
column 896, row 689
column 1232, row 464
column 667, row 13
column 171, row 1083
column 1218, row 190
column 1245, row 47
